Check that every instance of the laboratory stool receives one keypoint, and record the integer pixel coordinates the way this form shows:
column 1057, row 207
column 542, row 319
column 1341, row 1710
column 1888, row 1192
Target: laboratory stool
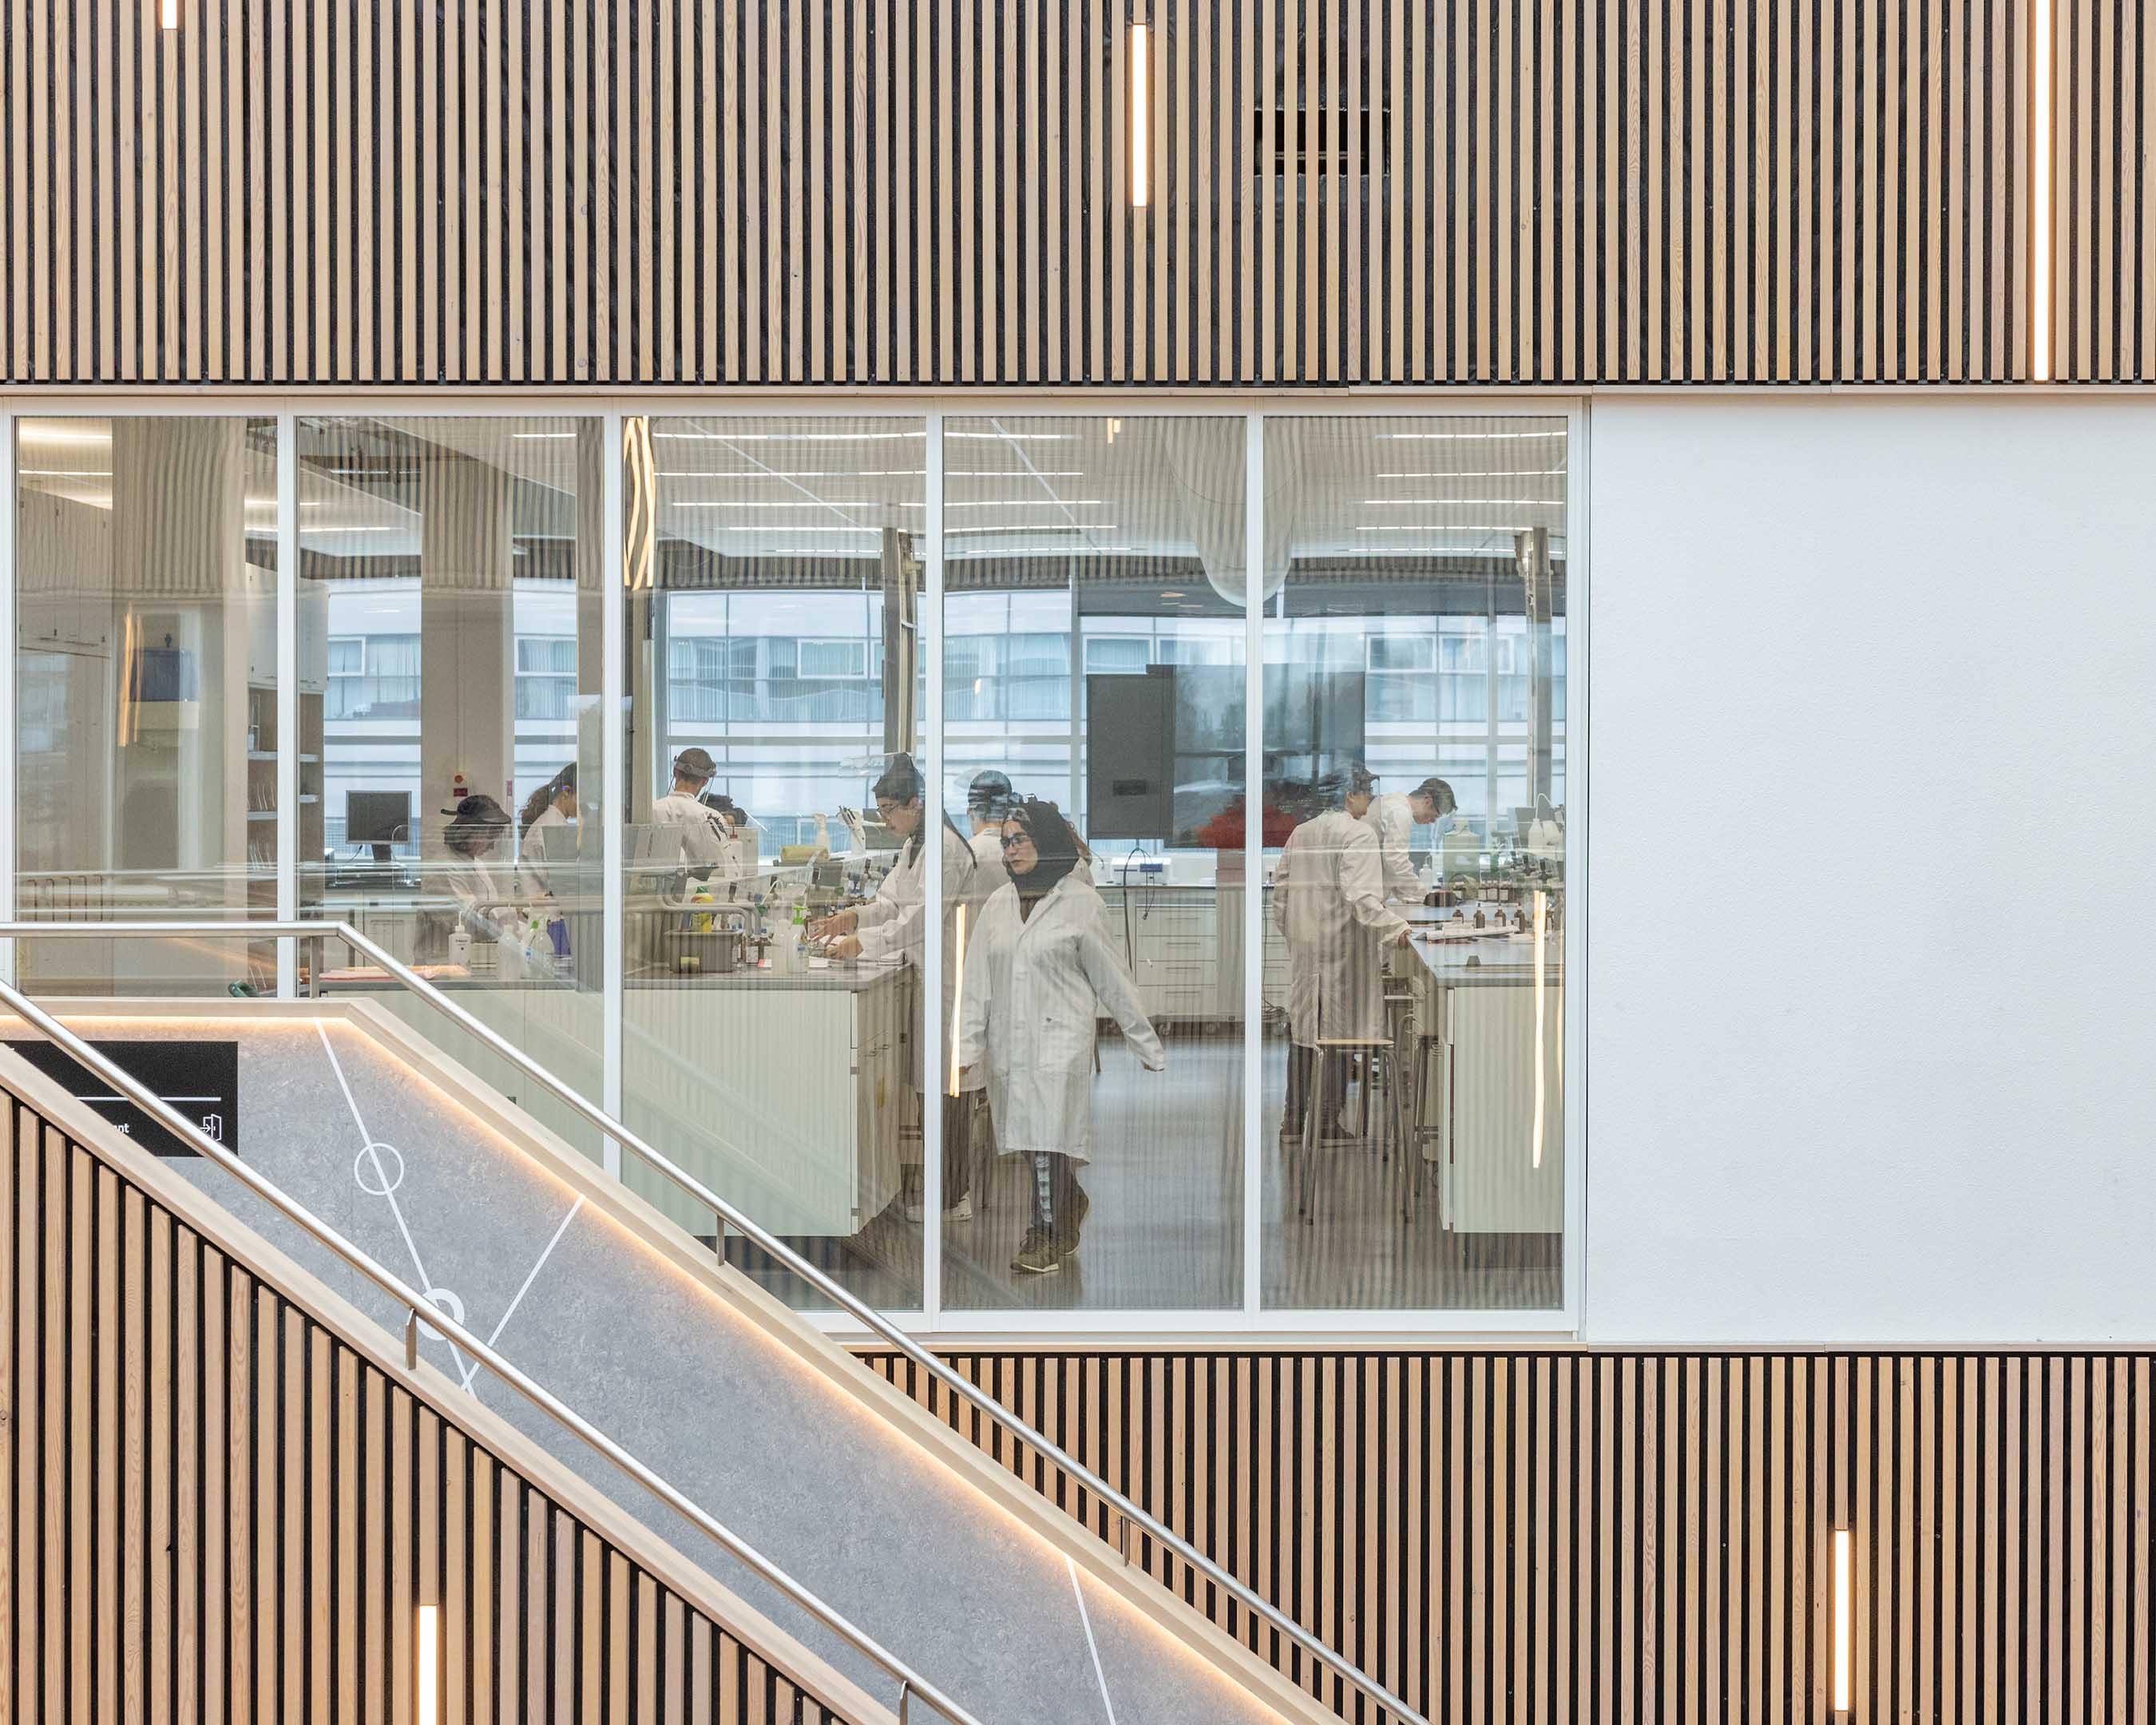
column 1371, row 1049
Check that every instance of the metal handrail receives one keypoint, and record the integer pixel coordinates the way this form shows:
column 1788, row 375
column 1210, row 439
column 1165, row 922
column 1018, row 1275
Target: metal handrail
column 806, row 1271
column 910, row 1682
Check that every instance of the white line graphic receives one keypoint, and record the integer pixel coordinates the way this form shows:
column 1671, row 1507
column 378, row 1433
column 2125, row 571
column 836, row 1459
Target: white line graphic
column 371, row 1149
column 1091, row 1646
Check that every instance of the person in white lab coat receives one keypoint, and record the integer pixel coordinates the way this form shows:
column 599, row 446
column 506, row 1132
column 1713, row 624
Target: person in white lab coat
column 552, row 805
column 1392, row 817
column 1329, row 901
column 703, row 834
column 989, row 800
column 894, row 925
column 1039, row 976
column 485, row 889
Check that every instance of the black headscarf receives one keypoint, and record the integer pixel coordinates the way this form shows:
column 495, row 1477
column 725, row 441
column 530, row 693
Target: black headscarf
column 1056, row 845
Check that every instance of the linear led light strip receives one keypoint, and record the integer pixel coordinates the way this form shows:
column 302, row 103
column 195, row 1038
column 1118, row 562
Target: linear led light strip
column 427, row 1665
column 1141, row 117
column 1843, row 1580
column 2040, row 194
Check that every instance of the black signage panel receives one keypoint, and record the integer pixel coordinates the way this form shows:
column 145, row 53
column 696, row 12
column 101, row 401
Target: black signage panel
column 201, row 1080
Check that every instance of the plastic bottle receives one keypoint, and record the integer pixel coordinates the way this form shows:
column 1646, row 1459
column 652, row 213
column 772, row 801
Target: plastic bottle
column 460, row 946
column 538, row 950
column 509, row 957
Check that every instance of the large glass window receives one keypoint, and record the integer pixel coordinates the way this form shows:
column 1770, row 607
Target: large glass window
column 450, row 658
column 1415, row 759
column 147, row 679
column 1093, row 752
column 774, row 581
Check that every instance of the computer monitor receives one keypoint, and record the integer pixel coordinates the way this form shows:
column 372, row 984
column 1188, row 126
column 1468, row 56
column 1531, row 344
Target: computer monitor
column 377, row 818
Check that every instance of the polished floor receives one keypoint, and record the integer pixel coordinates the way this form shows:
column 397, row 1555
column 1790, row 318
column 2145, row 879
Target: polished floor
column 1165, row 1231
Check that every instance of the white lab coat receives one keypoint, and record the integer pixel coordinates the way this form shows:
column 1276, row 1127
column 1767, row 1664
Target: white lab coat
column 1328, row 898
column 481, row 890
column 894, row 923
column 530, row 871
column 987, row 849
column 1392, row 822
column 703, row 834
column 1035, row 987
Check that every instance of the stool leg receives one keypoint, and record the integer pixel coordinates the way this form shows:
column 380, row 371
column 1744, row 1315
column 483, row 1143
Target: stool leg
column 1305, row 1200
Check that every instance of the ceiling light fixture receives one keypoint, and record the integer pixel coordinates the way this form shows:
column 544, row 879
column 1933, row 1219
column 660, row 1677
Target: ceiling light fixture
column 1470, row 437
column 786, row 437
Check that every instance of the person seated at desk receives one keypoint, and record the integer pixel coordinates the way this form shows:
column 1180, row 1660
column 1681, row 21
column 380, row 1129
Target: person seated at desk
column 1039, row 975
column 482, row 891
column 553, row 805
column 1329, row 901
column 892, row 924
column 1390, row 816
column 703, row 835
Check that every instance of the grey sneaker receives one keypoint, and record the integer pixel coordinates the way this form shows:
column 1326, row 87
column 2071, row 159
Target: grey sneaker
column 1038, row 1256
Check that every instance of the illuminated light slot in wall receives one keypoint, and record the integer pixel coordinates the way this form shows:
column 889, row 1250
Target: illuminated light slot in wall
column 2040, row 194
column 1141, row 118
column 168, row 14
column 1843, row 1581
column 957, row 994
column 427, row 1666
column 1540, row 900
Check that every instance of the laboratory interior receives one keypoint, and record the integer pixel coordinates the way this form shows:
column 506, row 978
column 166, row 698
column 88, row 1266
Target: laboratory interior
column 963, row 883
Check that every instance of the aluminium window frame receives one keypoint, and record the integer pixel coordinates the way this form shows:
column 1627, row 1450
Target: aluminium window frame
column 1240, row 1327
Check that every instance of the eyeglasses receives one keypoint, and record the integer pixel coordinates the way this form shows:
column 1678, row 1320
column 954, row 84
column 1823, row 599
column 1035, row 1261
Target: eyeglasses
column 1012, row 841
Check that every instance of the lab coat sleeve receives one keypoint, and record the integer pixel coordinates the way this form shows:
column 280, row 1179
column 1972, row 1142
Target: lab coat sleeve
column 974, row 1009
column 703, row 843
column 1115, row 990
column 1395, row 825
column 1280, row 892
column 1362, row 886
column 879, row 910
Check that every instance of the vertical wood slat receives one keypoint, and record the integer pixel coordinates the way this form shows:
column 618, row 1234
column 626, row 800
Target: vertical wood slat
column 1592, row 1537
column 630, row 192
column 204, row 1495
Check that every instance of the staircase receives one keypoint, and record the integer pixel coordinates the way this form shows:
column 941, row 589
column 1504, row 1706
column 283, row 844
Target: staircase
column 747, row 1413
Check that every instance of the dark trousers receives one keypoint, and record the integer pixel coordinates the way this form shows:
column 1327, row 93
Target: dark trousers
column 1055, row 1189
column 1313, row 1078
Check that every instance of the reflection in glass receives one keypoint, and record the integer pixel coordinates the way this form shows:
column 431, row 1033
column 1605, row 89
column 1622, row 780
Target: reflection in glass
column 449, row 641
column 146, row 678
column 1093, row 745
column 775, row 575
column 1414, row 758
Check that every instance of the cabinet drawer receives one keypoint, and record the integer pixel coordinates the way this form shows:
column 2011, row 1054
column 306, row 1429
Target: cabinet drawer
column 1177, row 949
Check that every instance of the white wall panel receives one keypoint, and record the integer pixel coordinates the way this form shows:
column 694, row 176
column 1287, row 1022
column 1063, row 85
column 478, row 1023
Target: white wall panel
column 1872, row 991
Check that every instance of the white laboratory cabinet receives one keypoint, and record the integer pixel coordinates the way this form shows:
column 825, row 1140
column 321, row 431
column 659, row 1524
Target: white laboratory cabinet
column 1497, row 1140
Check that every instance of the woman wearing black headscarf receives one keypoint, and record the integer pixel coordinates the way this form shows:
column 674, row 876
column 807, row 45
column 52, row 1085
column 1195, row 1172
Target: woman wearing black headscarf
column 1039, row 975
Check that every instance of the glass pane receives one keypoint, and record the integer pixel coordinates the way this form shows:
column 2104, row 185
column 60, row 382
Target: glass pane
column 1093, row 747
column 1414, row 766
column 146, row 677
column 450, row 650
column 775, row 576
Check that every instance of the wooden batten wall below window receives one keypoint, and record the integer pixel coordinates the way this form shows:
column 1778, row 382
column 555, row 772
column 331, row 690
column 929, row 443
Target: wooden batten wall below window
column 1623, row 1537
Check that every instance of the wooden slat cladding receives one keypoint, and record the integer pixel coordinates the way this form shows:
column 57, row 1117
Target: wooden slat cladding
column 2104, row 322
column 935, row 192
column 211, row 1508
column 1622, row 1537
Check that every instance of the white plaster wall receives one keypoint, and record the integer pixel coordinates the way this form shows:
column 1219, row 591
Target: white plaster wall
column 1872, row 945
